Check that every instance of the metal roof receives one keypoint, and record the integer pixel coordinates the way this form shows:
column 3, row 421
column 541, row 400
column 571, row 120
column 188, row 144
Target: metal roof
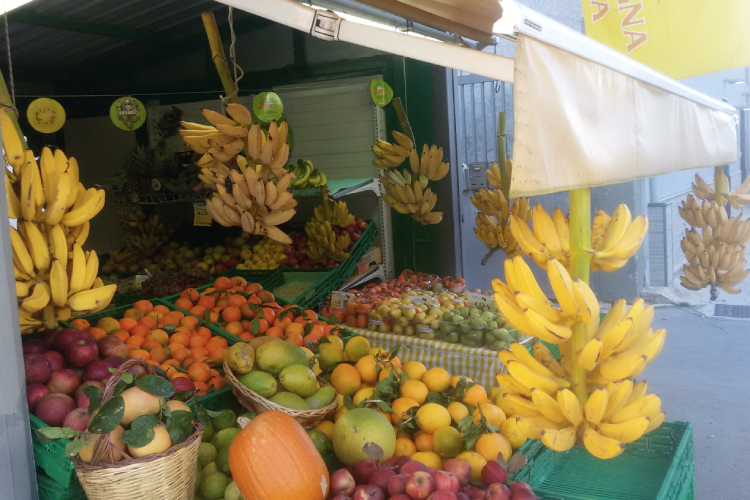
column 75, row 43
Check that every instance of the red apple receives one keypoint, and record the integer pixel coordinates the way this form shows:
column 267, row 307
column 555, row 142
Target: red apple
column 49, row 335
column 493, row 473
column 524, row 494
column 64, row 381
column 477, row 495
column 67, row 336
column 97, row 370
column 363, row 470
column 442, row 495
column 395, row 463
column 431, row 471
column 342, row 482
column 112, row 347
column 368, row 492
column 35, row 392
column 462, row 496
column 77, row 419
column 114, row 362
column 412, row 467
column 459, row 468
column 397, row 484
column 469, row 489
column 401, row 496
column 53, row 408
column 519, row 486
column 497, row 491
column 380, row 478
column 420, row 485
column 37, row 368
column 182, row 384
column 34, row 346
column 80, row 397
column 81, row 352
column 55, row 359
column 342, row 497
column 445, row 480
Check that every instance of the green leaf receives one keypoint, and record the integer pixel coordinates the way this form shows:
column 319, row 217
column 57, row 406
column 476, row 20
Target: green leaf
column 201, row 413
column 255, row 326
column 213, row 414
column 72, row 448
column 308, row 327
column 159, row 372
column 180, row 425
column 383, row 406
column 183, row 395
column 333, row 320
column 49, row 434
column 141, row 431
column 128, row 378
column 394, row 351
column 156, row 386
column 169, row 328
column 108, row 417
column 95, row 397
column 348, row 403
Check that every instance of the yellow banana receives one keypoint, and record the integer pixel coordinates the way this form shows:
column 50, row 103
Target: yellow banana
column 77, row 270
column 541, row 307
column 58, row 243
column 596, row 405
column 92, row 206
column 38, row 299
column 523, row 278
column 639, row 390
column 21, row 254
column 570, row 406
column 28, row 195
column 548, row 406
column 562, row 227
column 599, row 229
column 541, row 328
column 612, row 338
column 617, row 227
column 647, row 406
column 58, row 280
column 559, row 439
column 619, row 394
column 532, row 427
column 656, row 421
column 545, row 357
column 590, row 354
column 511, row 385
column 92, row 299
column 92, row 269
column 81, row 233
column 37, row 245
column 522, row 355
column 562, row 286
column 14, row 203
column 12, row 146
column 531, row 379
column 600, row 446
column 22, row 288
column 529, row 242
column 586, row 300
column 512, row 314
column 521, row 406
column 49, row 174
column 58, row 204
column 545, row 232
column 626, row 432
column 619, row 368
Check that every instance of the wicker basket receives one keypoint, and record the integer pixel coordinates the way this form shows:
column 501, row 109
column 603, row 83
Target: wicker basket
column 256, row 403
column 166, row 476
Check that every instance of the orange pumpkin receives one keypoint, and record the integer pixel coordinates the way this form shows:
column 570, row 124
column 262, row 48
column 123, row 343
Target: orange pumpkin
column 273, row 458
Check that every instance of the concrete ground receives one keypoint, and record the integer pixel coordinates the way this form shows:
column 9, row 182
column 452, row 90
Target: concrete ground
column 701, row 376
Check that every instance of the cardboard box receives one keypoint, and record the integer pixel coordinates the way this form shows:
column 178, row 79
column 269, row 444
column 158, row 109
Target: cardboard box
column 372, row 257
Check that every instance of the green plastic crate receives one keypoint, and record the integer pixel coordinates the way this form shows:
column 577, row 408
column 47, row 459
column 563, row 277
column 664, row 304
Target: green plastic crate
column 49, row 489
column 317, row 285
column 358, row 250
column 658, row 466
column 220, row 400
column 50, row 457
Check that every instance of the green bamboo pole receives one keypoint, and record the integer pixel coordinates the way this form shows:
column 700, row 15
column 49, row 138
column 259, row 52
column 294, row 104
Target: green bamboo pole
column 217, row 54
column 580, row 241
column 5, row 100
column 721, row 184
column 502, row 153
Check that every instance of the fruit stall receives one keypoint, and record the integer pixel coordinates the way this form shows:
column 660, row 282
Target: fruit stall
column 219, row 287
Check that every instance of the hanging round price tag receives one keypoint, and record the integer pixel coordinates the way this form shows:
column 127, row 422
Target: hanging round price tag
column 267, row 106
column 46, row 115
column 381, row 92
column 127, row 113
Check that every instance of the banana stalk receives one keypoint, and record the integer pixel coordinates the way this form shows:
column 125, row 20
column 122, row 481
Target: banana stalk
column 721, row 184
column 217, row 54
column 580, row 238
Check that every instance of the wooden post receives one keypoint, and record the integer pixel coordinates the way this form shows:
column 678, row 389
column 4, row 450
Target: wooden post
column 403, row 119
column 217, row 54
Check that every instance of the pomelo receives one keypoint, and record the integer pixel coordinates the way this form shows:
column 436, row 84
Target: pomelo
column 360, row 426
column 273, row 357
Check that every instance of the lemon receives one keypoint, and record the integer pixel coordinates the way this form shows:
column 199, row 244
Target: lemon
column 432, row 416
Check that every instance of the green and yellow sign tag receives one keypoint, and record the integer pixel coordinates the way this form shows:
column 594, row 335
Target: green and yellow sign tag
column 128, row 113
column 381, row 93
column 267, row 106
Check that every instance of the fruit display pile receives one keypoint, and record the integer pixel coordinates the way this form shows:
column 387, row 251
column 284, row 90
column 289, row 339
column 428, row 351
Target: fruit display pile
column 168, row 257
column 162, row 285
column 306, row 175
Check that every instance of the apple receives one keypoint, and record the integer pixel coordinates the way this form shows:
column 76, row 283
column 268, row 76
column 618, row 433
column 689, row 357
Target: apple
column 81, row 352
column 520, row 486
column 97, row 370
column 368, row 492
column 35, row 392
column 445, row 480
column 442, row 495
column 112, row 347
column 395, row 463
column 497, row 491
column 420, row 485
column 477, row 495
column 412, row 467
column 182, row 384
column 397, row 484
column 53, row 408
column 80, row 397
column 524, row 494
column 401, row 496
column 342, row 482
column 431, row 471
column 493, row 473
column 77, row 419
column 363, row 470
column 342, row 497
column 459, row 468
column 67, row 336
column 381, row 477
column 34, row 346
column 64, row 381
column 50, row 334
column 37, row 368
column 55, row 359
column 469, row 489
column 462, row 496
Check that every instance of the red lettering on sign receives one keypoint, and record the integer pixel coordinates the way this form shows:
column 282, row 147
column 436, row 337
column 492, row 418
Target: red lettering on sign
column 379, row 91
column 630, row 17
column 637, row 39
column 602, row 8
column 265, row 105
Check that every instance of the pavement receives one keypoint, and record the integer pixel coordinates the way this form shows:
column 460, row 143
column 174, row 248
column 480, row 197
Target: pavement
column 701, row 377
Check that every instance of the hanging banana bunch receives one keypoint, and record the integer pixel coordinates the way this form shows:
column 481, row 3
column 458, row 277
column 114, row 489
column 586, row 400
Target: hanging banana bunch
column 257, row 196
column 538, row 391
column 737, row 199
column 408, row 192
column 493, row 227
column 614, row 239
column 334, row 211
column 54, row 276
column 714, row 247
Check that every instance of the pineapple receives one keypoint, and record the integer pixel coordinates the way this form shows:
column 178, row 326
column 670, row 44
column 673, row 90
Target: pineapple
column 142, row 165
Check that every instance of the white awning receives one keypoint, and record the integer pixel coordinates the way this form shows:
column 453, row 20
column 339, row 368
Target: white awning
column 584, row 114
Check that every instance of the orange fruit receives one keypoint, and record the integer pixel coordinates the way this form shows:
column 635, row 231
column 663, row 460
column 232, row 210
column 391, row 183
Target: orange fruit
column 494, row 415
column 199, row 353
column 202, row 388
column 161, row 308
column 159, row 354
column 204, row 332
column 150, row 345
column 189, row 321
column 223, row 283
column 122, row 335
column 326, row 427
column 211, row 346
column 436, row 379
column 181, row 354
column 173, row 346
column 221, row 341
column 346, row 380
column 80, row 324
column 399, row 407
column 183, row 303
column 169, row 320
column 405, row 447
column 295, row 339
column 207, row 301
column 198, row 341
column 191, row 294
column 447, row 442
column 133, row 313
column 432, row 416
column 236, row 301
column 176, row 374
column 219, row 354
column 423, row 442
column 109, row 325
column 415, row 390
column 414, row 370
column 159, row 336
column 199, row 371
column 475, row 395
column 215, row 383
column 246, row 336
column 99, row 333
column 253, row 287
column 235, row 328
column 179, row 338
column 276, row 332
column 148, row 321
column 140, row 330
column 199, row 311
column 138, row 353
column 135, row 342
column 144, row 306
column 476, row 461
column 127, row 324
column 490, row 445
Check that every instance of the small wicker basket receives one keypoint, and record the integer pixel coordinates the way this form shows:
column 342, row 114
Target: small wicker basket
column 167, row 476
column 256, row 403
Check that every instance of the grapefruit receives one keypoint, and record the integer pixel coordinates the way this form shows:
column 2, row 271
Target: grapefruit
column 358, row 427
column 137, row 403
column 273, row 357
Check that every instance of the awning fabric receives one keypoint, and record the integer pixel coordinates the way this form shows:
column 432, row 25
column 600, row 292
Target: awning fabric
column 584, row 115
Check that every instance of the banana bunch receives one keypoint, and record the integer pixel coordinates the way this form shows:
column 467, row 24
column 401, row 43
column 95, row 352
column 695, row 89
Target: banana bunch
column 392, row 155
column 716, row 262
column 334, row 211
column 495, row 176
column 493, row 229
column 143, row 236
column 737, row 199
column 537, row 389
column 430, row 164
column 324, row 244
column 409, row 195
column 613, row 239
column 226, row 137
column 246, row 199
column 707, row 214
column 54, row 276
